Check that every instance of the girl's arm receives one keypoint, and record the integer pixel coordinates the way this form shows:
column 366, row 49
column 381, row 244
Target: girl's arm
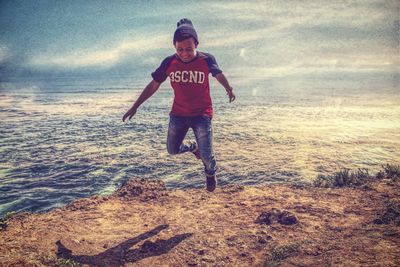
column 224, row 82
column 147, row 92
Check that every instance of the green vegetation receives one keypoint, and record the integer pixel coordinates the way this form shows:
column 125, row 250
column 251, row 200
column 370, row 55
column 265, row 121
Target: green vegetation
column 283, row 252
column 59, row 262
column 280, row 253
column 66, row 263
column 343, row 178
column 392, row 213
column 361, row 177
column 5, row 219
column 392, row 171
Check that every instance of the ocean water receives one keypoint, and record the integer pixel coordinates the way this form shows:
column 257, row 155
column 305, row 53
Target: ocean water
column 62, row 138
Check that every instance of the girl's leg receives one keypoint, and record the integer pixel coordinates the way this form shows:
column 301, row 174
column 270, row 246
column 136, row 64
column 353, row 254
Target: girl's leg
column 177, row 129
column 202, row 128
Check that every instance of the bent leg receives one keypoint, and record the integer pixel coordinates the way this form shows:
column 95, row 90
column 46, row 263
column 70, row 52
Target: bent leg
column 177, row 130
column 202, row 128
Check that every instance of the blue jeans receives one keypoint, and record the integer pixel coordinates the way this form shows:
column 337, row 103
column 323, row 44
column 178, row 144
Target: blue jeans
column 202, row 129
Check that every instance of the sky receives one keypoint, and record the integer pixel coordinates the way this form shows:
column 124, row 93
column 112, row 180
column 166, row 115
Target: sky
column 267, row 39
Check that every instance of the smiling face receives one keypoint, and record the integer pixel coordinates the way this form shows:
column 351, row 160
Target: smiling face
column 186, row 49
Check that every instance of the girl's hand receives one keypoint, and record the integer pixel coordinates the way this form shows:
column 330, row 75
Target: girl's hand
column 129, row 114
column 231, row 95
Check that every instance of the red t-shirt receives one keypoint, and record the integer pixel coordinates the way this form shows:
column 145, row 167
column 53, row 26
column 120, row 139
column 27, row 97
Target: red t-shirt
column 190, row 83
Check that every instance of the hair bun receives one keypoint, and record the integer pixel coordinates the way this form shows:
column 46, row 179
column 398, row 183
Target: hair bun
column 184, row 30
column 184, row 21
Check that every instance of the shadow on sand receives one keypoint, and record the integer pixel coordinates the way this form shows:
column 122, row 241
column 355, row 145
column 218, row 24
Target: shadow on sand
column 120, row 254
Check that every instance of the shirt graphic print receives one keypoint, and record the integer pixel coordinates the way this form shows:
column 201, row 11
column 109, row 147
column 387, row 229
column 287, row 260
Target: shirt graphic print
column 190, row 83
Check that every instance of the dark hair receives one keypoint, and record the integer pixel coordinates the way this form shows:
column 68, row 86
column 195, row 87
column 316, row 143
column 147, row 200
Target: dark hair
column 184, row 21
column 184, row 31
column 185, row 37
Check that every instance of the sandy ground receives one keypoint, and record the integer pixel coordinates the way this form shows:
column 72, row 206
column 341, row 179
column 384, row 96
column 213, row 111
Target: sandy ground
column 143, row 224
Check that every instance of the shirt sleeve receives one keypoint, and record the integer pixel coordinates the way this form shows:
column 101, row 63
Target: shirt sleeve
column 160, row 74
column 212, row 65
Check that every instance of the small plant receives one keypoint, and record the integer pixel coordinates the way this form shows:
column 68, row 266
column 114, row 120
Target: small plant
column 271, row 264
column 361, row 177
column 283, row 252
column 392, row 171
column 343, row 178
column 380, row 175
column 5, row 219
column 280, row 253
column 58, row 262
column 392, row 213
